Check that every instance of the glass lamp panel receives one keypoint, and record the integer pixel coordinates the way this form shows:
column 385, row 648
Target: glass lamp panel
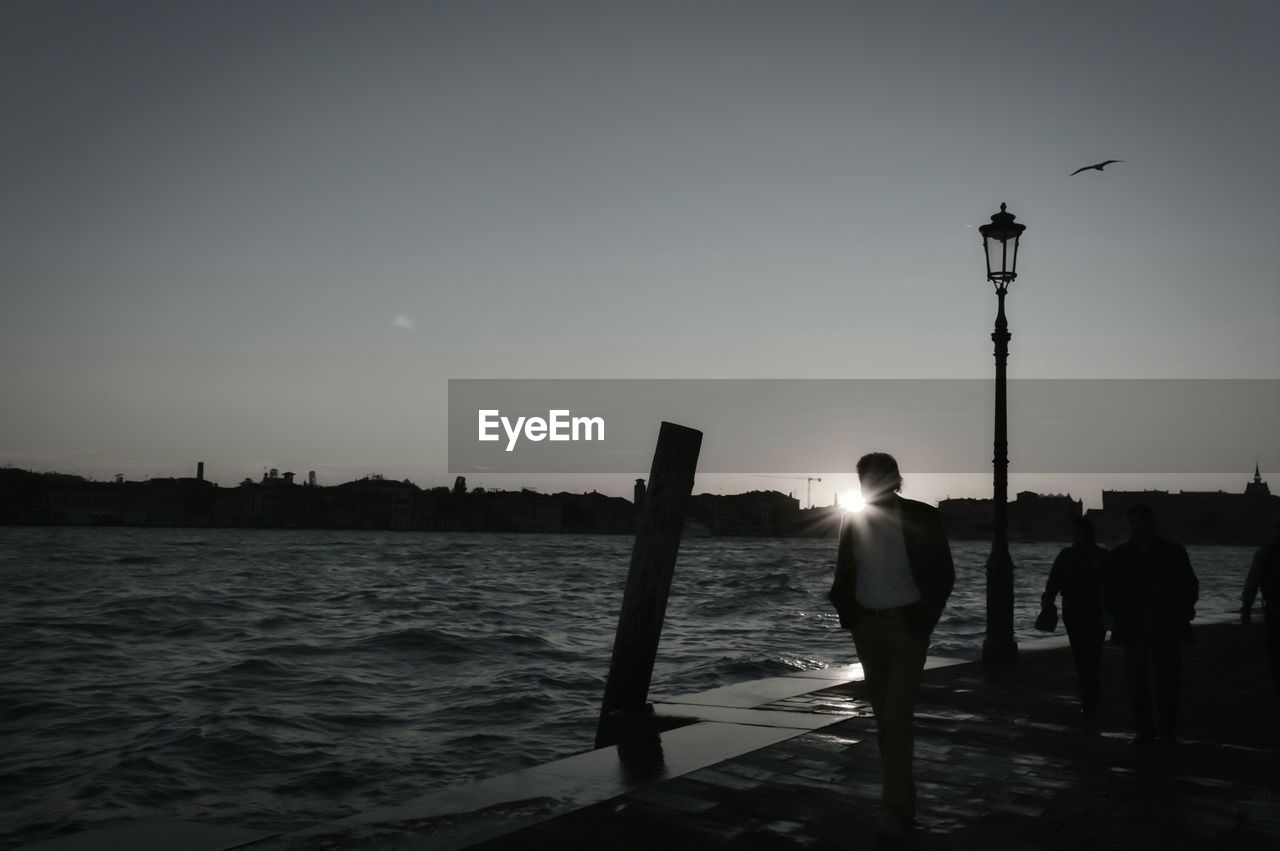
column 995, row 257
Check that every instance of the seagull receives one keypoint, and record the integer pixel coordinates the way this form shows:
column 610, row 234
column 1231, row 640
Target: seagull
column 1099, row 166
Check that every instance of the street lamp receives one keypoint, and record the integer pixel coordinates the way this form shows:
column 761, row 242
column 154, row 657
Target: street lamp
column 1000, row 241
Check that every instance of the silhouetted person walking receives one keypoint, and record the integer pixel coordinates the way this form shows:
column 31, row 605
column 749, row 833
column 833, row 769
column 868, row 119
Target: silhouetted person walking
column 1264, row 576
column 1078, row 574
column 892, row 579
column 1151, row 596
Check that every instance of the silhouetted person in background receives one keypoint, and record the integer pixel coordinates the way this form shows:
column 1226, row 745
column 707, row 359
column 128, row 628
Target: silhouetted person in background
column 1151, row 596
column 1264, row 576
column 892, row 579
column 1078, row 574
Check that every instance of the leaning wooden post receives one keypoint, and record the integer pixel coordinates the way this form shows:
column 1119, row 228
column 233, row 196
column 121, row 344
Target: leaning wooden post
column 653, row 561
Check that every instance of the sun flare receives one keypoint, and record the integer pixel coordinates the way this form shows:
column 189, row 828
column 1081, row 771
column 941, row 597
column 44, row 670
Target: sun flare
column 851, row 500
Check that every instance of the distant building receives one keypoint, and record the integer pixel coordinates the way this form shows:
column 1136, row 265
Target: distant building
column 751, row 513
column 821, row 521
column 371, row 503
column 966, row 518
column 517, row 511
column 588, row 512
column 1197, row 517
column 63, row 500
column 1039, row 517
column 1032, row 517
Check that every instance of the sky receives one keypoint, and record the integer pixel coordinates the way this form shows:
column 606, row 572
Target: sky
column 267, row 234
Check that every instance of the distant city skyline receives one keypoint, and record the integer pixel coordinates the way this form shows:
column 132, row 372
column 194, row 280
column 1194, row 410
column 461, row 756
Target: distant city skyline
column 282, row 500
column 267, row 235
column 928, row 487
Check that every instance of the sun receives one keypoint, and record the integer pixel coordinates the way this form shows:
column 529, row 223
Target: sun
column 851, row 500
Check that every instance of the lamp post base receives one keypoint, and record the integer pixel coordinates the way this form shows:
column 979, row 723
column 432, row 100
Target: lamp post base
column 999, row 652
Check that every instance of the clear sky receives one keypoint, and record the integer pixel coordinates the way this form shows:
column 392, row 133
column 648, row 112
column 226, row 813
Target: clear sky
column 266, row 234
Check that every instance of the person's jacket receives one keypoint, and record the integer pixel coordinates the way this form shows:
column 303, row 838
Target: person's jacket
column 928, row 554
column 1151, row 592
column 1078, row 574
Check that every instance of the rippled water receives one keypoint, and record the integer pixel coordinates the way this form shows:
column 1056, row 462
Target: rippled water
column 278, row 678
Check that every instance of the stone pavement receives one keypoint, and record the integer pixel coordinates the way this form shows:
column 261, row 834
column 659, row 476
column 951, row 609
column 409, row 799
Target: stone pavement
column 1000, row 763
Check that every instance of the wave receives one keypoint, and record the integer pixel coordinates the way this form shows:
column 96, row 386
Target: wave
column 253, row 668
column 435, row 643
column 442, row 646
column 750, row 668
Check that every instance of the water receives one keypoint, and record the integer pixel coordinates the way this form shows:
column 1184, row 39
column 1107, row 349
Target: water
column 278, row 678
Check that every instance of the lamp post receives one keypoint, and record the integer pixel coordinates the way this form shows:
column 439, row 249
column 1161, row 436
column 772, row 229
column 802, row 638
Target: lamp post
column 1000, row 240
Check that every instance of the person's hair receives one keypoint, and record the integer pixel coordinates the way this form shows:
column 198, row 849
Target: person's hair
column 880, row 466
column 1083, row 524
column 1140, row 511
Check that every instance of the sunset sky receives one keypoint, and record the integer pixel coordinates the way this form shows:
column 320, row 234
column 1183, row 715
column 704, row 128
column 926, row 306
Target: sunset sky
column 266, row 234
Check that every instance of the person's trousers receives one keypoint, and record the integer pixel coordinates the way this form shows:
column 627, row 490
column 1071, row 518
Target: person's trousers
column 1161, row 660
column 1086, row 648
column 892, row 661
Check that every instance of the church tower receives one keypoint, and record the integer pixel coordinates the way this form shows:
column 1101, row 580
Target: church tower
column 1257, row 488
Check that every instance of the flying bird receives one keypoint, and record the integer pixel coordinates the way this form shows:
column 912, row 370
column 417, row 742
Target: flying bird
column 1099, row 166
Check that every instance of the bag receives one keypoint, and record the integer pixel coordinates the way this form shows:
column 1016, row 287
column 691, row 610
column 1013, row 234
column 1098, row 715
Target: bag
column 1048, row 619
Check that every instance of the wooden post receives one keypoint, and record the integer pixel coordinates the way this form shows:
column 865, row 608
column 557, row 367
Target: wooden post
column 653, row 562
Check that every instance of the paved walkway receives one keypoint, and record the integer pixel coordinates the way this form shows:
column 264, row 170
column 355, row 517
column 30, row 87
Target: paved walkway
column 1001, row 763
column 791, row 762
